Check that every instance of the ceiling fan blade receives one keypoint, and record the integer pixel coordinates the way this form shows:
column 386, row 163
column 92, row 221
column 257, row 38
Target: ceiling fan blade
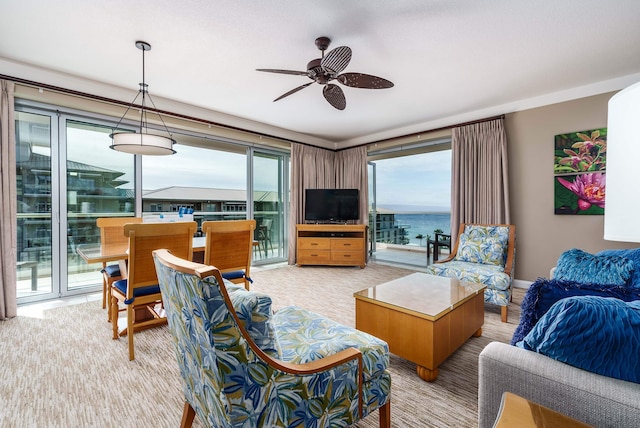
column 293, row 91
column 336, row 60
column 366, row 81
column 271, row 70
column 335, row 96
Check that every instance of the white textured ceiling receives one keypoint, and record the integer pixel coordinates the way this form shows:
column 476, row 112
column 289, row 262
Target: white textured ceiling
column 451, row 60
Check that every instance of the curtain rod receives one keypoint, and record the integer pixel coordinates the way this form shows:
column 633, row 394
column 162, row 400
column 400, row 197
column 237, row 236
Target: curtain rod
column 125, row 104
column 442, row 128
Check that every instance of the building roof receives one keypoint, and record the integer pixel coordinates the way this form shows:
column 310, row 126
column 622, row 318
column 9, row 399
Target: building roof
column 206, row 194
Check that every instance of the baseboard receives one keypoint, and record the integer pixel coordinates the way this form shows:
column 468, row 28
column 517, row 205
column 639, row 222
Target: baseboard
column 521, row 283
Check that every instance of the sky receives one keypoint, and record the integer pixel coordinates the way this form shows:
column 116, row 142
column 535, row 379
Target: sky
column 422, row 182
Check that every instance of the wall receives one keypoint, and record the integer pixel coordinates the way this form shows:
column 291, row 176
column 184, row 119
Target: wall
column 540, row 234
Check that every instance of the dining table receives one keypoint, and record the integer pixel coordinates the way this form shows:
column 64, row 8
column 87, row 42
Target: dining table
column 99, row 253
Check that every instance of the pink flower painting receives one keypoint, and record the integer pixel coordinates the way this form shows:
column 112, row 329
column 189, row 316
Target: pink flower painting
column 589, row 188
column 580, row 171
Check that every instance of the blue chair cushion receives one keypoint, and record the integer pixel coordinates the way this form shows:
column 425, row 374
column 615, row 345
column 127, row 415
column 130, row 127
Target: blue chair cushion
column 305, row 336
column 255, row 314
column 138, row 292
column 597, row 334
column 236, row 274
column 580, row 266
column 112, row 270
column 492, row 276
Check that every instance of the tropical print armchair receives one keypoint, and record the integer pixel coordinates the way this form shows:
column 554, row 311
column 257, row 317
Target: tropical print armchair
column 483, row 253
column 243, row 366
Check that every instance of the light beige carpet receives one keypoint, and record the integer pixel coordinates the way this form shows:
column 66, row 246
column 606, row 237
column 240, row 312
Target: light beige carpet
column 63, row 369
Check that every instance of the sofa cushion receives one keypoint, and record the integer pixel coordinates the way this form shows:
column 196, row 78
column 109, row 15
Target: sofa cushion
column 631, row 254
column 255, row 314
column 483, row 244
column 580, row 266
column 597, row 334
column 491, row 275
column 543, row 293
column 305, row 336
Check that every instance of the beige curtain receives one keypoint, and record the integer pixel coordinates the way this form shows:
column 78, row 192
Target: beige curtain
column 311, row 168
column 352, row 173
column 8, row 302
column 480, row 181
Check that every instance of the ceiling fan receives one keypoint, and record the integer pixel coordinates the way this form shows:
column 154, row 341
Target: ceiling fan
column 324, row 70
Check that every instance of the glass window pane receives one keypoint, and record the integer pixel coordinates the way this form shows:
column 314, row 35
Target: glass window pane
column 212, row 183
column 268, row 205
column 100, row 183
column 407, row 215
column 33, row 185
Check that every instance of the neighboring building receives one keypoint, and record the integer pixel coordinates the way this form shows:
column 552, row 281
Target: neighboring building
column 387, row 231
column 90, row 190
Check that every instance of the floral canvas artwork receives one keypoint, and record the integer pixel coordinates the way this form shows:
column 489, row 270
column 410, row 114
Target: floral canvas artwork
column 579, row 172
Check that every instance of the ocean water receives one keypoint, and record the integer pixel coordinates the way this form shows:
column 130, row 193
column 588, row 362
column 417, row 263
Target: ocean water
column 425, row 224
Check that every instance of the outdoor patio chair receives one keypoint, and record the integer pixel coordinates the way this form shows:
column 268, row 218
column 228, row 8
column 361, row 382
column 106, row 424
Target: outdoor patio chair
column 243, row 366
column 263, row 236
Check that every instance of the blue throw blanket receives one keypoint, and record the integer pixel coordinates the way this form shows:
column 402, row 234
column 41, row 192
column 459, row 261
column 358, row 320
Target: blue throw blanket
column 543, row 293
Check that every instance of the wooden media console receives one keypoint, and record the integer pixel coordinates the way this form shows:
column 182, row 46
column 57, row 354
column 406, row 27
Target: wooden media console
column 331, row 244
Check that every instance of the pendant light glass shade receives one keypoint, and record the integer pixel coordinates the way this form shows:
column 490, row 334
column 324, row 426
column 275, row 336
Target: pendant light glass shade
column 142, row 142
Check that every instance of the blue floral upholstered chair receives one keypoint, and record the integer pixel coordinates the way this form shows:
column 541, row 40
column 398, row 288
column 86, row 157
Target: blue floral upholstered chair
column 243, row 366
column 483, row 253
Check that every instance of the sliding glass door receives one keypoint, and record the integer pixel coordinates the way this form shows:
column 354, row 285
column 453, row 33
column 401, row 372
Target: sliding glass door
column 270, row 203
column 66, row 177
column 36, row 187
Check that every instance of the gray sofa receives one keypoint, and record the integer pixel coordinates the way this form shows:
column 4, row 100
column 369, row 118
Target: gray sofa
column 596, row 400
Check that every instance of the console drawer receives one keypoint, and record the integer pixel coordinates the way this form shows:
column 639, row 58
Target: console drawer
column 347, row 257
column 313, row 257
column 346, row 244
column 314, row 244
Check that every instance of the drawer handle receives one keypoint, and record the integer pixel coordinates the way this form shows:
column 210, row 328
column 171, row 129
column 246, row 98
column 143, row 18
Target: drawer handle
column 346, row 256
column 347, row 245
column 314, row 243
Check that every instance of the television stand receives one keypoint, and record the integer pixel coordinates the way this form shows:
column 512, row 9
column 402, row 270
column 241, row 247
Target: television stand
column 331, row 244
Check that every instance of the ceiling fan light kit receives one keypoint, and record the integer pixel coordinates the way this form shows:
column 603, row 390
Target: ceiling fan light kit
column 142, row 142
column 328, row 68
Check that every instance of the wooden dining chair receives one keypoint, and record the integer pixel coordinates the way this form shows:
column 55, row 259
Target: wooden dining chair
column 112, row 234
column 139, row 292
column 228, row 247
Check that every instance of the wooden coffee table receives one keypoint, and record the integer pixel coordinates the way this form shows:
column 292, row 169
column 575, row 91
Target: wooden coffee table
column 424, row 318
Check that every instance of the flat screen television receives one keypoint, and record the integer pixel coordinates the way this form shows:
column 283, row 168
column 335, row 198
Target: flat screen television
column 331, row 205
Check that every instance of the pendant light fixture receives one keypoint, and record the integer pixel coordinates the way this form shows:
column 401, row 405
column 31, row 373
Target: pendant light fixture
column 143, row 142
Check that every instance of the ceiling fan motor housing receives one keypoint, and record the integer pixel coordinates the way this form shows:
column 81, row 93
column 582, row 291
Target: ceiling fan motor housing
column 314, row 69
